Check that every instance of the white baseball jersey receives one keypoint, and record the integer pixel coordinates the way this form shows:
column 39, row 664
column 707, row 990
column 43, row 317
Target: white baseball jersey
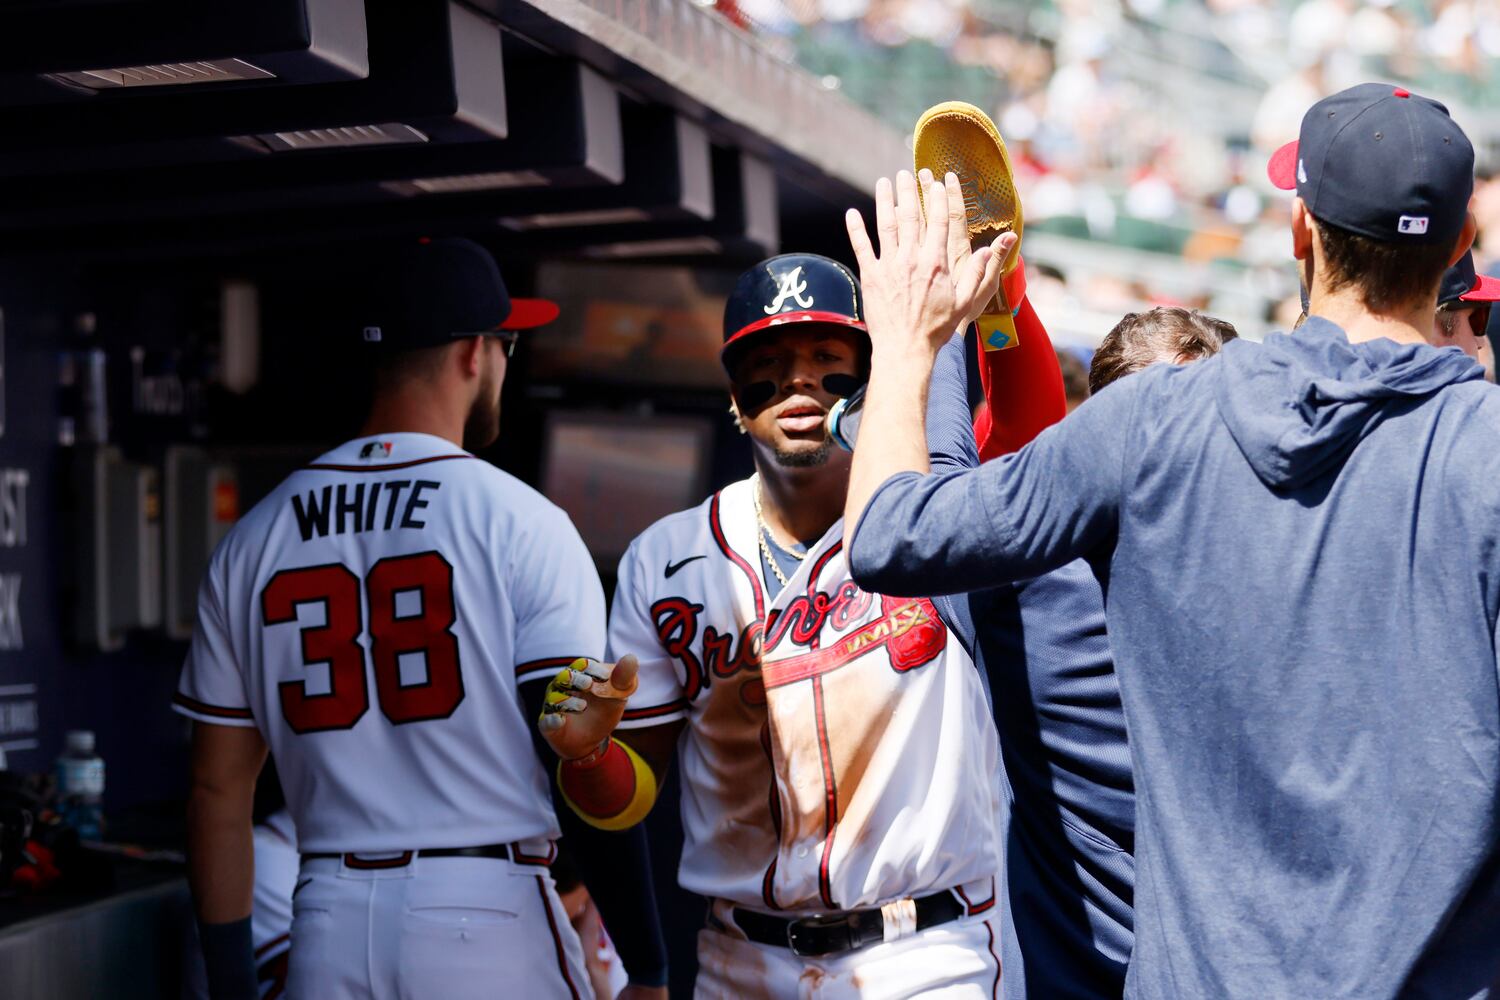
column 839, row 751
column 373, row 617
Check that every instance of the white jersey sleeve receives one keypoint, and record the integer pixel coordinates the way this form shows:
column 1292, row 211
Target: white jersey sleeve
column 559, row 602
column 212, row 685
column 660, row 696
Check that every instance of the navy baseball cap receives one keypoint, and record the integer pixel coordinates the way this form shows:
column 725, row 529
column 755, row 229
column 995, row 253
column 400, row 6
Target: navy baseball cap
column 1380, row 161
column 790, row 288
column 1461, row 283
column 432, row 292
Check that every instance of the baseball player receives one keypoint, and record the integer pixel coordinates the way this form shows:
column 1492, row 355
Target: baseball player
column 1317, row 752
column 370, row 621
column 1463, row 308
column 839, row 766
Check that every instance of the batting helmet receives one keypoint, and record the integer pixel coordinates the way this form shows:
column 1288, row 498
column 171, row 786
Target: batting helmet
column 790, row 288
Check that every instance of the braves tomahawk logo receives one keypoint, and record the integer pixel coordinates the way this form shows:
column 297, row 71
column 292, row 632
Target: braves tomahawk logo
column 790, row 285
column 917, row 633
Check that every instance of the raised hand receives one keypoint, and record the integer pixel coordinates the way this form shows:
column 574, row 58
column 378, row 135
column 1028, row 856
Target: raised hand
column 914, row 298
column 584, row 704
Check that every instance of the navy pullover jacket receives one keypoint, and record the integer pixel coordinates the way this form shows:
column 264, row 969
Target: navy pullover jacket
column 1302, row 541
column 1070, row 808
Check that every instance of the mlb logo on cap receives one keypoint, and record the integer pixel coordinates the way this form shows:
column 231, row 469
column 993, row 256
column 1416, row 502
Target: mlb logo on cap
column 1382, row 162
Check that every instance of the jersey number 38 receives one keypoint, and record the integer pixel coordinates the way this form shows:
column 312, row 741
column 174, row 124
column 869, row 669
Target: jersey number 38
column 427, row 581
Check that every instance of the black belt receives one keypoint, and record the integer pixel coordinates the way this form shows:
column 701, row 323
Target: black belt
column 506, row 852
column 829, row 934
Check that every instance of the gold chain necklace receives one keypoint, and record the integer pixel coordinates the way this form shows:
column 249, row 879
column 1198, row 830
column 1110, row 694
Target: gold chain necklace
column 762, row 531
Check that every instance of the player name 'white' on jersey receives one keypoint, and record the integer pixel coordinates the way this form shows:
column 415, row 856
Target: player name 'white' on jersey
column 372, row 617
column 839, row 750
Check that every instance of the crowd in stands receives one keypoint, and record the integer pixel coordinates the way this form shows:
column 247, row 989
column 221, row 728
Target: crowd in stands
column 1147, row 123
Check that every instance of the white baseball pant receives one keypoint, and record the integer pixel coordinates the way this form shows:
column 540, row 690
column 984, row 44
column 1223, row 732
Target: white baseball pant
column 456, row 928
column 958, row 959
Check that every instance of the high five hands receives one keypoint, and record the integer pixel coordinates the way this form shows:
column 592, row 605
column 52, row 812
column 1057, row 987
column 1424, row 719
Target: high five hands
column 924, row 282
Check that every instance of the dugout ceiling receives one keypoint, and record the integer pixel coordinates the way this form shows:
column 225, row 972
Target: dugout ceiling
column 604, row 129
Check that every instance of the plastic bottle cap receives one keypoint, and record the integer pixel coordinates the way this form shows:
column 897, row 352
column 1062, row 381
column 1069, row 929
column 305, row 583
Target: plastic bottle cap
column 80, row 742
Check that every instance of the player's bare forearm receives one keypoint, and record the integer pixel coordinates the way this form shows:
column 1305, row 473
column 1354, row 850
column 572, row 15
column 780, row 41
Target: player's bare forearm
column 221, row 860
column 918, row 289
column 893, row 438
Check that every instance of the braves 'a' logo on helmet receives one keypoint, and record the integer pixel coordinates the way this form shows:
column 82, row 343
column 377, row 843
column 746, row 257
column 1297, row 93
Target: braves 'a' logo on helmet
column 790, row 285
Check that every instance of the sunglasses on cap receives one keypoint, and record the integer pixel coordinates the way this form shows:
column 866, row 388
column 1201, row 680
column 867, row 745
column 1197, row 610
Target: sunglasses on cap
column 1476, row 314
column 1479, row 317
column 506, row 337
column 1482, row 319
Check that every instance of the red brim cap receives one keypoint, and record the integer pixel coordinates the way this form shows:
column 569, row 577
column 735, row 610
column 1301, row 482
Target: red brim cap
column 1486, row 289
column 1282, row 170
column 526, row 314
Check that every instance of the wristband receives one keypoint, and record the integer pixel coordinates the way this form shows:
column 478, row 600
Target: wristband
column 229, row 959
column 591, row 758
column 612, row 788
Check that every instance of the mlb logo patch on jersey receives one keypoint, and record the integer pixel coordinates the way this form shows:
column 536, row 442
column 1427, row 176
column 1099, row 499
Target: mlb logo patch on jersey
column 1412, row 225
column 376, row 449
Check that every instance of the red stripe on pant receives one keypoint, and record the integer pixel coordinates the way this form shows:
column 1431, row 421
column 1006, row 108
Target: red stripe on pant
column 557, row 941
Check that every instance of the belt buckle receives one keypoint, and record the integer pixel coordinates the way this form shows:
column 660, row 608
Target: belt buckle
column 849, row 922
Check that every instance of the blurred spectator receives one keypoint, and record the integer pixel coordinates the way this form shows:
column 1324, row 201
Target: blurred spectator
column 1288, row 313
column 1075, row 375
column 1147, row 123
column 1279, row 116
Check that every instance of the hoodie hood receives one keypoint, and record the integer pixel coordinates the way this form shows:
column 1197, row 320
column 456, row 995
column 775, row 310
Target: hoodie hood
column 1297, row 404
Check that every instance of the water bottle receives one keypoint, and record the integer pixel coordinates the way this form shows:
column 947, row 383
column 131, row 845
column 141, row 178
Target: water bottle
column 80, row 785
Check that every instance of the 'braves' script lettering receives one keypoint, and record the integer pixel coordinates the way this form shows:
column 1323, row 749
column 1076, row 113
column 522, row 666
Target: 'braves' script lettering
column 909, row 630
column 806, row 614
column 676, row 620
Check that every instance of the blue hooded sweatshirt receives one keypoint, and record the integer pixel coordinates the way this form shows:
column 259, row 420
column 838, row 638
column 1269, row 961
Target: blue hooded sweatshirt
column 1300, row 545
